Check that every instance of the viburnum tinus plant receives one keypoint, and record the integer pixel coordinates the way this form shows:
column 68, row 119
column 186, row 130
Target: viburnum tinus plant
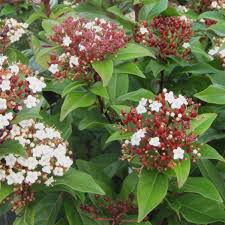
column 112, row 112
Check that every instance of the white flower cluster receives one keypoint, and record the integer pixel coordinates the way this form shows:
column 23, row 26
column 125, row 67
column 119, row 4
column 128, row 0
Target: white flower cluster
column 155, row 106
column 47, row 155
column 219, row 4
column 19, row 88
column 15, row 30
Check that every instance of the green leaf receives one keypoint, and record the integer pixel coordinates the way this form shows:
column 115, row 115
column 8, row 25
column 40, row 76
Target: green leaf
column 116, row 11
column 153, row 8
column 118, row 86
column 218, row 28
column 202, row 186
column 35, row 16
column 27, row 218
column 129, row 185
column 213, row 15
column 132, row 51
column 7, row 10
column 99, row 90
column 76, row 100
column 97, row 173
column 208, row 152
column 151, row 190
column 155, row 67
column 75, row 216
column 129, row 68
column 212, row 94
column 42, row 57
column 209, row 171
column 136, row 95
column 182, row 171
column 47, row 207
column 202, row 123
column 104, row 70
column 71, row 87
column 5, row 191
column 79, row 181
column 199, row 210
column 12, row 147
column 118, row 136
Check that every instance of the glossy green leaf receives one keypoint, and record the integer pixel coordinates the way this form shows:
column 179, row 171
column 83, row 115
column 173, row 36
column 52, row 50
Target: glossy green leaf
column 5, row 191
column 136, row 95
column 12, row 147
column 132, row 51
column 76, row 100
column 118, row 136
column 213, row 94
column 151, row 190
column 104, row 70
column 208, row 152
column 79, row 181
column 182, row 170
column 199, row 210
column 129, row 68
column 202, row 186
column 202, row 123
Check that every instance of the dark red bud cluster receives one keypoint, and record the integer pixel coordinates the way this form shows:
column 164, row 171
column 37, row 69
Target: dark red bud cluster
column 165, row 132
column 167, row 34
column 115, row 211
column 88, row 41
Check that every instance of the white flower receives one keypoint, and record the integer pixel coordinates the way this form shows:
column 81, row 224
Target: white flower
column 141, row 107
column 67, row 41
column 15, row 178
column 178, row 153
column 31, row 101
column 169, row 97
column 46, row 169
column 154, row 141
column 58, row 171
column 15, row 131
column 3, row 104
column 26, row 123
column 40, row 134
column 5, row 85
column 2, row 175
column 155, row 106
column 213, row 51
column 51, row 133
column 31, row 177
column 32, row 163
column 14, row 69
column 53, row 68
column 195, row 151
column 2, row 59
column 214, row 4
column 81, row 47
column 39, row 126
column 136, row 137
column 183, row 18
column 10, row 160
column 65, row 161
column 143, row 30
column 222, row 53
column 4, row 121
column 186, row 45
column 49, row 181
column 182, row 8
column 74, row 61
column 35, row 84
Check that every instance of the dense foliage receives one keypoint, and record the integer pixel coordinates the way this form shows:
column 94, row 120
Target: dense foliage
column 112, row 112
